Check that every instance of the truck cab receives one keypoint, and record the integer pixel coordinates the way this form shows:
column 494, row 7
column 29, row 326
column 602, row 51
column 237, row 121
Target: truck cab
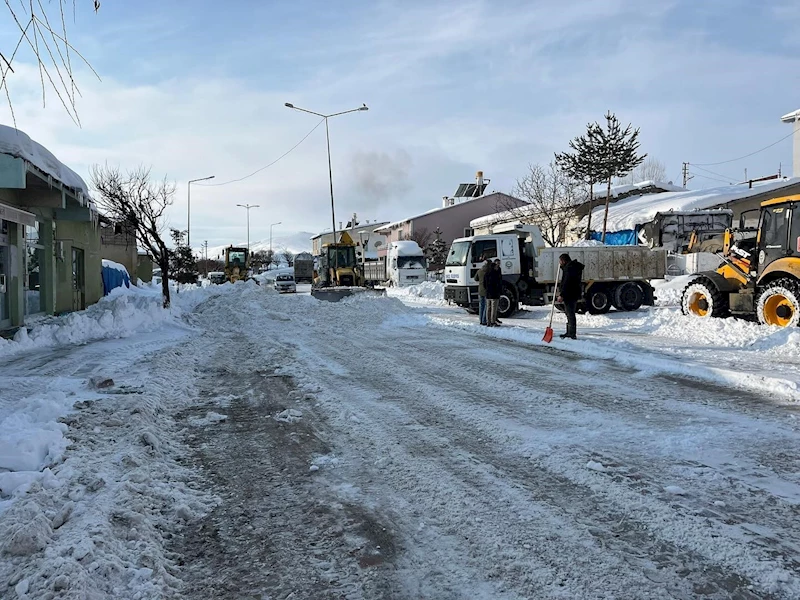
column 514, row 249
column 405, row 264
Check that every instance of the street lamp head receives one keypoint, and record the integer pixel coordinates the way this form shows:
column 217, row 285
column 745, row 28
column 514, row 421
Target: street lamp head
column 364, row 107
column 288, row 105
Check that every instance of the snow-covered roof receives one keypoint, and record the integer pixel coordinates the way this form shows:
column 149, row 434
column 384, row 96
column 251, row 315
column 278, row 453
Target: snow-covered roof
column 638, row 210
column 17, row 143
column 396, row 224
column 791, row 116
column 407, row 248
column 627, row 188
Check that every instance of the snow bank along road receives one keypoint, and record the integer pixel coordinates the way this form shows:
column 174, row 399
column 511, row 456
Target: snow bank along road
column 290, row 448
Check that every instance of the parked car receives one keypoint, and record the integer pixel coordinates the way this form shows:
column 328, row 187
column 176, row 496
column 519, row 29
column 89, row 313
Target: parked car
column 285, row 283
column 217, row 277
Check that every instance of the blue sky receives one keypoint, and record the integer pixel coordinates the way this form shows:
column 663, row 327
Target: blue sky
column 197, row 87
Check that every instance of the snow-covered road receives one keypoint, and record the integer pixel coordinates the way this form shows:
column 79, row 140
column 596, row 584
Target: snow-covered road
column 370, row 449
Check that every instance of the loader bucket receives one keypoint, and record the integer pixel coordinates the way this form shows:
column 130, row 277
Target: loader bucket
column 334, row 294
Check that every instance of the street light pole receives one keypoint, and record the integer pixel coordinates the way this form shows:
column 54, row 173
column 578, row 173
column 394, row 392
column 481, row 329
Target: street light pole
column 189, row 207
column 248, row 207
column 270, row 236
column 330, row 170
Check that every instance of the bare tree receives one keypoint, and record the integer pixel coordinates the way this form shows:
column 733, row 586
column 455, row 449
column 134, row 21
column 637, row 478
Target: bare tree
column 288, row 256
column 48, row 41
column 422, row 236
column 134, row 199
column 651, row 169
column 552, row 198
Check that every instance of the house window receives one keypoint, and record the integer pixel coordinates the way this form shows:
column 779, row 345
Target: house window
column 34, row 258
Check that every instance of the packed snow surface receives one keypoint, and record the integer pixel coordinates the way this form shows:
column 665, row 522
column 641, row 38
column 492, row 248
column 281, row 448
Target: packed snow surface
column 249, row 444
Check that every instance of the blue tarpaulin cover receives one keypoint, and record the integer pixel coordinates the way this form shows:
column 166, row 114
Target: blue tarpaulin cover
column 627, row 237
column 114, row 275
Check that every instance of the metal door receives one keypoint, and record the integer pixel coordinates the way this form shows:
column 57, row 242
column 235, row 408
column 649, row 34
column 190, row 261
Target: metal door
column 774, row 237
column 5, row 319
column 78, row 280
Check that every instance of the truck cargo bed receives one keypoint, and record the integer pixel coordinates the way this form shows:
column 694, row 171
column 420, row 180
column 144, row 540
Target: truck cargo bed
column 605, row 263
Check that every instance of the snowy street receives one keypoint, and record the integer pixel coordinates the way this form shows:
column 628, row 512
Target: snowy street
column 253, row 445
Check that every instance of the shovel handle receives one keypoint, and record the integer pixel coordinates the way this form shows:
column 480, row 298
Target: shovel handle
column 553, row 308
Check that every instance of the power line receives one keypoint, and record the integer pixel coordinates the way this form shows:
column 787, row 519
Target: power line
column 730, row 179
column 285, row 154
column 713, row 179
column 724, row 162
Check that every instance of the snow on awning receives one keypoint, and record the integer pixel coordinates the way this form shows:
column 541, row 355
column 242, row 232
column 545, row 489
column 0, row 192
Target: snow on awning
column 16, row 143
column 638, row 210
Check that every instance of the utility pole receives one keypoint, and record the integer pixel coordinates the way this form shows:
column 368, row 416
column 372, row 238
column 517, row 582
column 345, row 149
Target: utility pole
column 205, row 256
column 686, row 176
column 248, row 207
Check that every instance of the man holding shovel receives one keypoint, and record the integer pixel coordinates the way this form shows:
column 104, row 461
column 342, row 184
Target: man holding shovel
column 570, row 292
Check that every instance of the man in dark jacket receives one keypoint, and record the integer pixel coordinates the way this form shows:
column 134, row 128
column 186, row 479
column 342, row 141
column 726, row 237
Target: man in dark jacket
column 493, row 280
column 480, row 277
column 570, row 291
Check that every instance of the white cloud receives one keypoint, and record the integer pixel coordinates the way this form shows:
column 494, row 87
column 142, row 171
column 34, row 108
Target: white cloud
column 452, row 88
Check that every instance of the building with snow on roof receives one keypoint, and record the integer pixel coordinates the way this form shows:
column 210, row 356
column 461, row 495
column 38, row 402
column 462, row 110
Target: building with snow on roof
column 627, row 217
column 452, row 219
column 50, row 258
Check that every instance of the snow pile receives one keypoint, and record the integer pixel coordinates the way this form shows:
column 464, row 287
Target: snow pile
column 669, row 292
column 17, row 143
column 32, row 440
column 586, row 244
column 427, row 292
column 124, row 312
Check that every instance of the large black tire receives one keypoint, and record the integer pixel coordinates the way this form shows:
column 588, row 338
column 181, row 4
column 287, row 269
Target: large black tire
column 779, row 303
column 598, row 300
column 508, row 304
column 701, row 298
column 628, row 296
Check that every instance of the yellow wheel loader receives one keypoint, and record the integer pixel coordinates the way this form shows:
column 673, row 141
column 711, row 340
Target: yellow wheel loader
column 237, row 264
column 339, row 274
column 760, row 272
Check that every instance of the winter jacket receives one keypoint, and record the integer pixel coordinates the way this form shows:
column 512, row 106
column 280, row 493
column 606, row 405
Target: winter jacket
column 493, row 280
column 480, row 277
column 571, row 276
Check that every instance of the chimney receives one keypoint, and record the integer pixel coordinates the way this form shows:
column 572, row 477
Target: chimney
column 793, row 118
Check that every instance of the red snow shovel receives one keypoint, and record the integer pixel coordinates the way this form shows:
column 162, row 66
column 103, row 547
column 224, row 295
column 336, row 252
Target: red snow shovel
column 548, row 333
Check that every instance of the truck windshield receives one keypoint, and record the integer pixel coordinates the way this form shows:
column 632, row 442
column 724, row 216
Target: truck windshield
column 410, row 262
column 458, row 254
column 237, row 258
column 343, row 256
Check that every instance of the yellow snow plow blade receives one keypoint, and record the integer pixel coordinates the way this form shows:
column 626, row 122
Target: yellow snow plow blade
column 334, row 294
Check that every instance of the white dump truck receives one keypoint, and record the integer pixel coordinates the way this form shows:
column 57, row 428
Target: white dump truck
column 404, row 264
column 615, row 276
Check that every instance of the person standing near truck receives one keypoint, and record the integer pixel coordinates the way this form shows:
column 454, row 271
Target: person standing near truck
column 480, row 277
column 570, row 292
column 493, row 280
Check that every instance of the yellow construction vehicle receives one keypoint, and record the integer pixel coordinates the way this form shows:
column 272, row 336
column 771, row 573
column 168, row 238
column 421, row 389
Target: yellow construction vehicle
column 760, row 271
column 237, row 264
column 338, row 273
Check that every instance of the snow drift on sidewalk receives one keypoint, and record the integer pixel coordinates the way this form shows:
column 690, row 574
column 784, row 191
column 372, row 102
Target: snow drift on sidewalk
column 431, row 292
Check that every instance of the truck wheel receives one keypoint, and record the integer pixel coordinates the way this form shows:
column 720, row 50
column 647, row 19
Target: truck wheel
column 701, row 298
column 599, row 301
column 779, row 303
column 628, row 296
column 508, row 303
